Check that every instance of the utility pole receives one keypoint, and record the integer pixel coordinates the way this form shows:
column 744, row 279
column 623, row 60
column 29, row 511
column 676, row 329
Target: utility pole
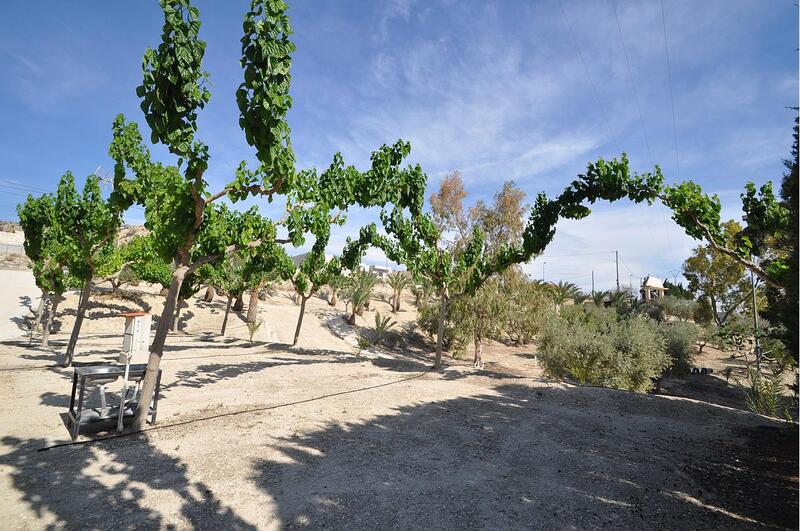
column 592, row 282
column 543, row 264
column 616, row 255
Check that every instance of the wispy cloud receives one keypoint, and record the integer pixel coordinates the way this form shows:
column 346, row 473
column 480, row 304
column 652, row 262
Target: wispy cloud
column 44, row 80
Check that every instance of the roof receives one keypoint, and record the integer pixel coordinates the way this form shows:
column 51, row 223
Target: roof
column 653, row 282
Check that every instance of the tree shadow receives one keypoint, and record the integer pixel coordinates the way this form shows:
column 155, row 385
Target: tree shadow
column 530, row 457
column 211, row 373
column 61, row 482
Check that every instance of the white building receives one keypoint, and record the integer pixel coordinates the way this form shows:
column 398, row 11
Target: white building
column 652, row 288
column 380, row 272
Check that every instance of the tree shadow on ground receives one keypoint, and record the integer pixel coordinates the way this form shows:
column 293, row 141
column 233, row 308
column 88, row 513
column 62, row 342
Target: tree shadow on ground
column 61, row 482
column 211, row 373
column 534, row 457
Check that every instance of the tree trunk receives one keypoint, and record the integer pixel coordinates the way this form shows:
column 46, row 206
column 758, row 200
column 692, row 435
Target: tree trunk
column 114, row 287
column 37, row 323
column 252, row 307
column 300, row 318
column 210, row 294
column 227, row 311
column 76, row 329
column 238, row 304
column 437, row 365
column 157, row 349
column 332, row 299
column 478, row 360
column 53, row 308
column 175, row 320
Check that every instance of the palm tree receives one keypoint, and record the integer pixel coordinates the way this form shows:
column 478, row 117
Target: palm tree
column 599, row 298
column 359, row 292
column 398, row 282
column 562, row 292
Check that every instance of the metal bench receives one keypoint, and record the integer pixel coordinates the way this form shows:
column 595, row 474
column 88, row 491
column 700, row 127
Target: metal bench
column 83, row 377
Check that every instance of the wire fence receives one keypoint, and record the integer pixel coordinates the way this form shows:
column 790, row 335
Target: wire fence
column 7, row 249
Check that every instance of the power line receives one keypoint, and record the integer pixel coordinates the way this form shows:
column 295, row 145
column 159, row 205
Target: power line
column 571, row 255
column 671, row 98
column 588, row 75
column 633, row 83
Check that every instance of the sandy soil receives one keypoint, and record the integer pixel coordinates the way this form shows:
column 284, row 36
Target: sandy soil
column 20, row 298
column 264, row 435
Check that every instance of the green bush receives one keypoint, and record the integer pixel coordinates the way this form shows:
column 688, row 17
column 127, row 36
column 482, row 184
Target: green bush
column 680, row 339
column 703, row 313
column 596, row 346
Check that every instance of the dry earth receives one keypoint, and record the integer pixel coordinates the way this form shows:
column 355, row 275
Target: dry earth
column 264, row 435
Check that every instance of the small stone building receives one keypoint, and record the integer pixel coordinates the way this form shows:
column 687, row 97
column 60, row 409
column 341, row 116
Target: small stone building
column 652, row 288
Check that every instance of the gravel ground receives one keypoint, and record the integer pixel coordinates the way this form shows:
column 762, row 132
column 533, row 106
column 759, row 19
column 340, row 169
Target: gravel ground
column 268, row 436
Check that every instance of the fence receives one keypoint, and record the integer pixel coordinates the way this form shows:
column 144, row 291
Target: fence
column 10, row 248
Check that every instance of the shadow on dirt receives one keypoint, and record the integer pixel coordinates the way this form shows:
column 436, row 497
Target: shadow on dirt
column 515, row 457
column 507, row 461
column 59, row 482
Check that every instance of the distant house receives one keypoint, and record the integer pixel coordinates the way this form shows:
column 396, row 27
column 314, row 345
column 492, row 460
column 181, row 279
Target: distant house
column 380, row 272
column 652, row 288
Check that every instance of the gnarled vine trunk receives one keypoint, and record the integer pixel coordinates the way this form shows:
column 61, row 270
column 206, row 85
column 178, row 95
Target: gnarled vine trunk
column 252, row 307
column 303, row 300
column 157, row 348
column 478, row 358
column 76, row 328
column 48, row 326
column 37, row 323
column 210, row 294
column 332, row 300
column 227, row 311
column 238, row 304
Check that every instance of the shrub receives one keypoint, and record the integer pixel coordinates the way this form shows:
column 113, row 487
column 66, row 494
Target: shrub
column 596, row 346
column 703, row 313
column 763, row 392
column 382, row 325
column 680, row 339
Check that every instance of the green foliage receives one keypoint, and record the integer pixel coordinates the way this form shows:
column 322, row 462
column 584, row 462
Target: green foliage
column 763, row 392
column 562, row 292
column 678, row 290
column 781, row 258
column 263, row 96
column 528, row 303
column 146, row 263
column 39, row 221
column 718, row 277
column 86, row 225
column 596, row 346
column 398, row 281
column 680, row 339
column 703, row 313
column 382, row 325
column 172, row 88
column 483, row 316
column 358, row 292
column 679, row 308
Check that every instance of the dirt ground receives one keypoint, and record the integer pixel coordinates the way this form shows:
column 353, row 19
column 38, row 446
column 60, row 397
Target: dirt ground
column 269, row 436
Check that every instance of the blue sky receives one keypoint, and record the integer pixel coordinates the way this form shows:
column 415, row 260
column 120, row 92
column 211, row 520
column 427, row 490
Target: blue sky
column 497, row 90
